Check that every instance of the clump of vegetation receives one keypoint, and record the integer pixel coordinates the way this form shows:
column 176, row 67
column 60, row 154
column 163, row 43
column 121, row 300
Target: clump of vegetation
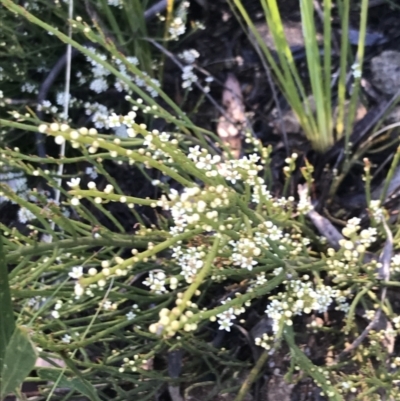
column 190, row 273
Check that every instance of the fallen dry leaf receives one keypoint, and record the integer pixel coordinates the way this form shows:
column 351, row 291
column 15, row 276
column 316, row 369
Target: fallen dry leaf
column 231, row 124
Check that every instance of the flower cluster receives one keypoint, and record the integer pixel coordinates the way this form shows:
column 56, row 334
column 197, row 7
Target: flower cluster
column 395, row 263
column 376, row 210
column 55, row 313
column 99, row 114
column 99, row 83
column 194, row 205
column 76, row 272
column 156, row 281
column 189, row 56
column 346, row 262
column 47, row 107
column 190, row 261
column 265, row 341
column 261, row 194
column 25, row 215
column 108, row 305
column 188, row 77
column 243, row 253
column 16, row 181
column 245, row 169
column 177, row 28
column 304, row 204
column 225, row 319
column 301, row 297
column 132, row 365
column 102, row 80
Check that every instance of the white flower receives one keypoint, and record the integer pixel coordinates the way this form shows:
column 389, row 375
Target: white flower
column 74, row 183
column 177, row 28
column 156, row 282
column 164, row 137
column 132, row 59
column 91, row 172
column 261, row 279
column 115, row 3
column 99, row 85
column 58, row 305
column 129, row 119
column 377, row 210
column 25, row 215
column 60, row 98
column 78, row 289
column 188, row 77
column 356, row 67
column 121, row 86
column 245, row 262
column 121, row 131
column 28, row 87
column 153, row 92
column 343, row 307
column 55, row 314
column 130, row 315
column 190, row 264
column 260, row 192
column 114, row 120
column 225, row 325
column 107, row 305
column 99, row 114
column 189, row 56
column 194, row 153
column 46, row 104
column 368, row 236
column 76, row 272
column 66, row 338
column 139, row 81
column 304, row 206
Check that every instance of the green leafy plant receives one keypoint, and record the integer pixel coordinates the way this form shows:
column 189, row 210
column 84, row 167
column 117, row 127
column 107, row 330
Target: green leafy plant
column 113, row 284
column 315, row 114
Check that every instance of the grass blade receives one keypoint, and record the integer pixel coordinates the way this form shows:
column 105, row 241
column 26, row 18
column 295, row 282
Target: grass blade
column 19, row 360
column 323, row 138
column 7, row 323
column 344, row 9
column 78, row 384
column 328, row 66
column 357, row 73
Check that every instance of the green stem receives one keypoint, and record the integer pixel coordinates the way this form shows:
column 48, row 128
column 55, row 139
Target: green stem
column 251, row 378
column 390, row 174
column 200, row 278
column 352, row 310
column 40, row 248
column 309, row 367
column 240, row 300
column 128, row 263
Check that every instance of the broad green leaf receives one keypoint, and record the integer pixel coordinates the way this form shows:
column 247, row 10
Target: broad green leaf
column 7, row 323
column 78, row 384
column 19, row 360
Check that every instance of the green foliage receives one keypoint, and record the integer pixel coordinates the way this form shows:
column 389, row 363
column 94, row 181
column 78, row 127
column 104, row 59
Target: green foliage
column 78, row 384
column 114, row 278
column 19, row 360
column 7, row 324
column 315, row 113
